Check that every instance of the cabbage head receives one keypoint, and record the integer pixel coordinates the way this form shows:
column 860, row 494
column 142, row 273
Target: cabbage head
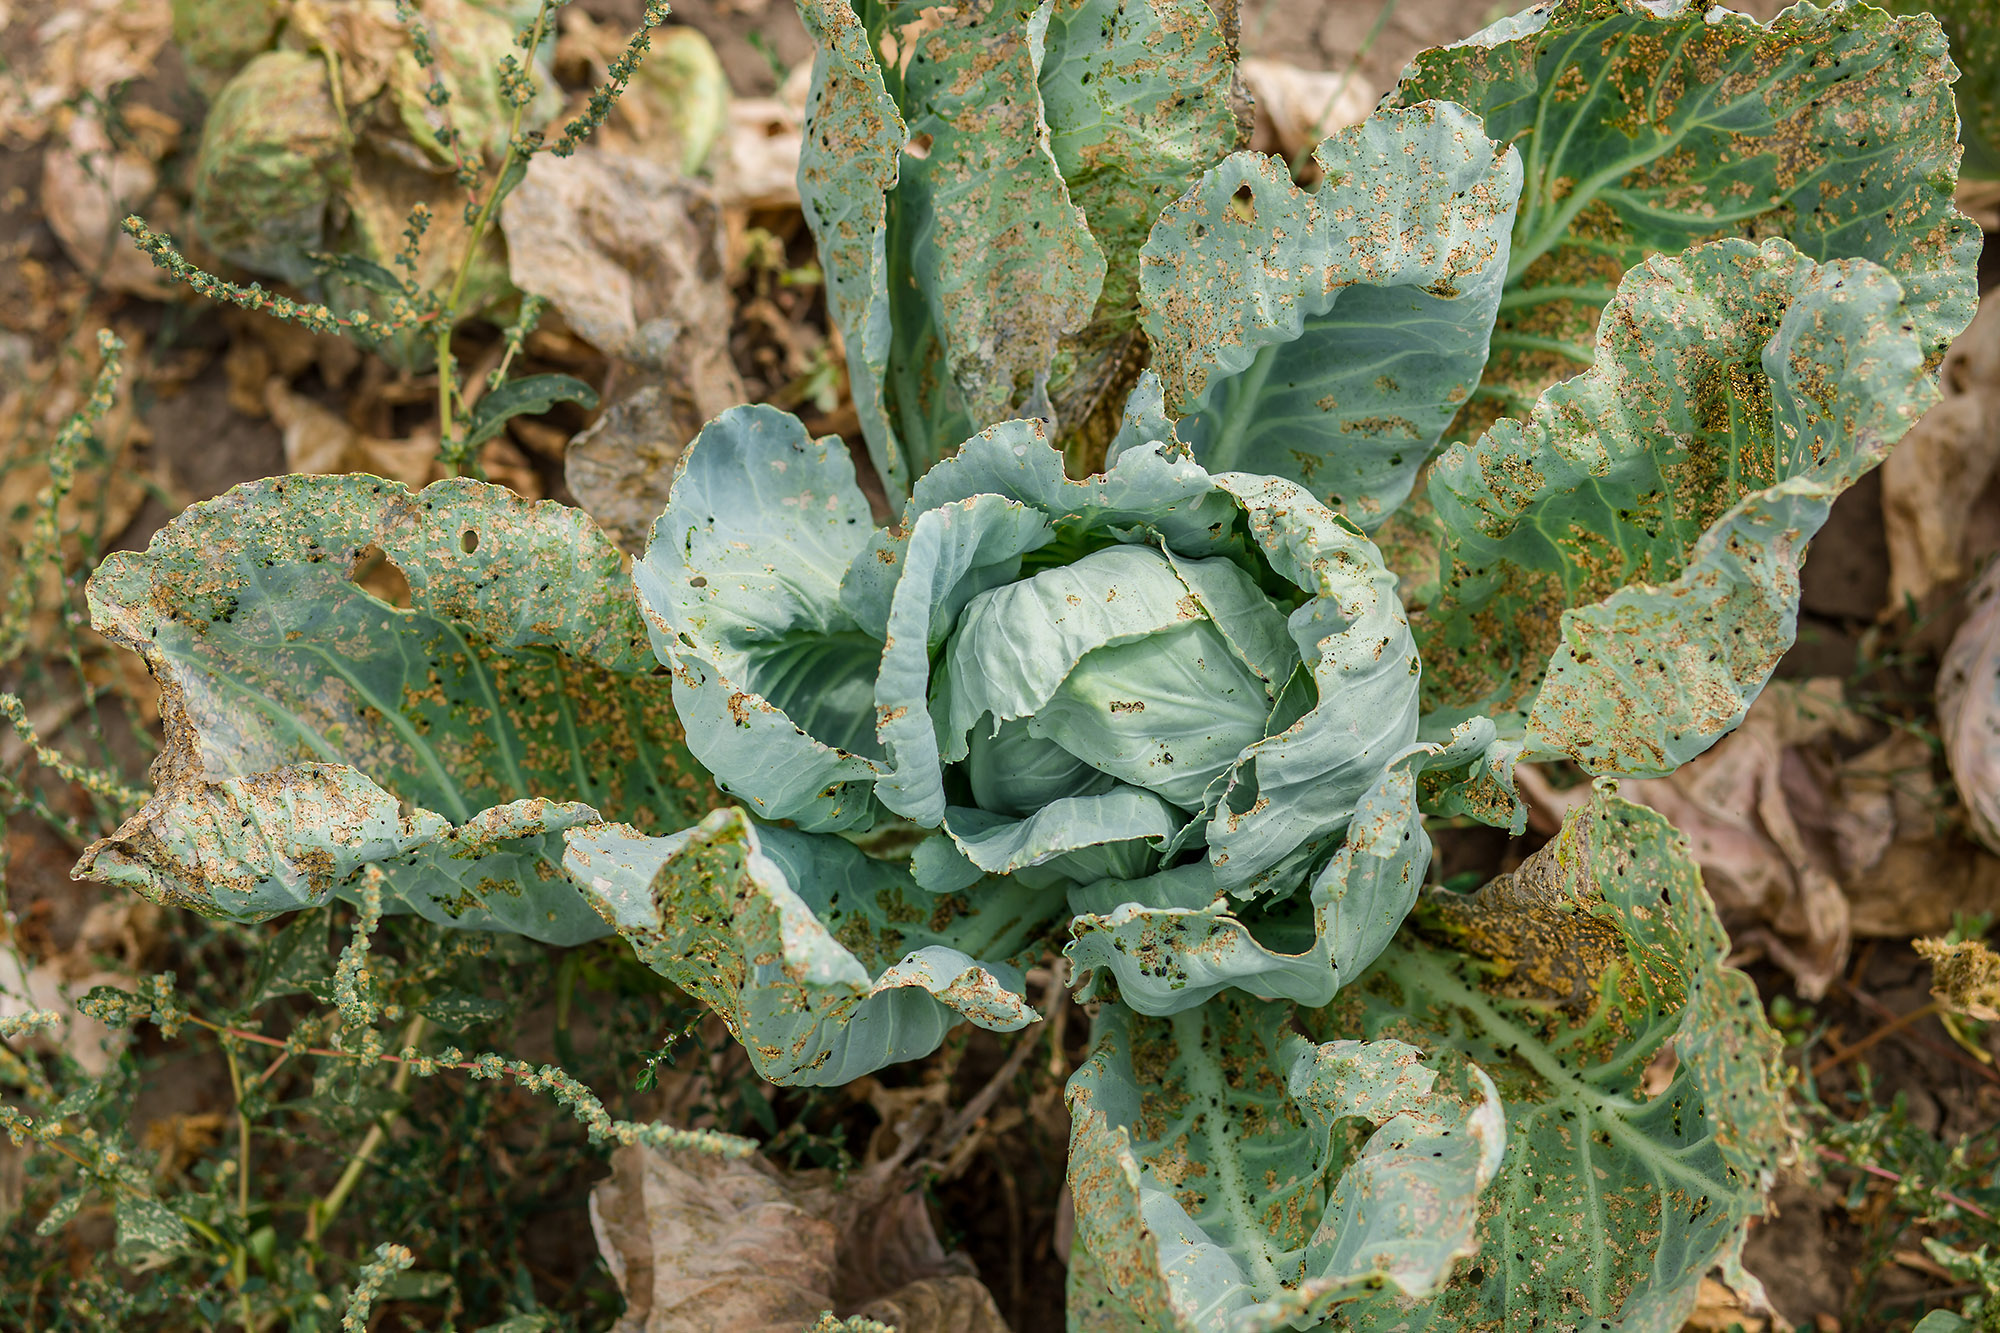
column 1157, row 684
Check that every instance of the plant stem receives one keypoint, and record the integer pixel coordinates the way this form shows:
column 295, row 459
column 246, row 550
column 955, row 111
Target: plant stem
column 239, row 1268
column 242, row 1137
column 1883, row 1173
column 327, row 1052
column 1881, row 1010
column 194, row 1224
column 485, row 218
column 582, row 1103
column 1965, row 1043
column 1847, row 1053
column 322, row 1213
column 445, row 426
column 448, row 315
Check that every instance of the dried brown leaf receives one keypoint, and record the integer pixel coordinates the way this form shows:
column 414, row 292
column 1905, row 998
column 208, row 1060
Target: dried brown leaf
column 90, row 1043
column 181, row 1139
column 756, row 162
column 260, row 347
column 1920, row 883
column 364, row 38
column 631, row 257
column 622, row 467
column 700, row 1244
column 387, row 180
column 677, row 105
column 38, row 393
column 1908, row 866
column 1968, row 702
column 1804, row 850
column 83, row 48
column 1937, row 501
column 89, row 186
column 505, row 465
column 960, row 1304
column 627, row 252
column 119, row 930
column 1719, row 1310
column 1296, row 108
column 318, row 440
column 1981, row 201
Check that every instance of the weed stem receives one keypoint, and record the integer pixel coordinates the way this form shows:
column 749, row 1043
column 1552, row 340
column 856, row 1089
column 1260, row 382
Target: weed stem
column 322, row 1214
column 1895, row 1178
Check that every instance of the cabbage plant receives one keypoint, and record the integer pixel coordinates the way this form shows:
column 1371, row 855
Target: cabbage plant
column 1243, row 531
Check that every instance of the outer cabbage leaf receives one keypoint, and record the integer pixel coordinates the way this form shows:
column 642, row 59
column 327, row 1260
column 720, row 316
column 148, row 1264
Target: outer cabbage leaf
column 313, row 730
column 846, row 167
column 1165, row 957
column 1160, row 489
column 1565, row 981
column 1331, row 337
column 990, row 263
column 825, row 964
column 1973, row 28
column 741, row 588
column 1139, row 99
column 1645, row 128
column 1620, row 571
column 1218, row 1187
column 967, row 179
column 1945, row 1321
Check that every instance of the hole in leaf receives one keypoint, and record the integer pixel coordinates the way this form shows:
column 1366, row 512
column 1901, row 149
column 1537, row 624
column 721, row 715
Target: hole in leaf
column 1659, row 1074
column 468, row 541
column 918, row 146
column 376, row 574
column 698, row 581
column 1243, row 204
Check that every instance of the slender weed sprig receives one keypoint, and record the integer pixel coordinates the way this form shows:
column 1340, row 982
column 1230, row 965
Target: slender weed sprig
column 250, row 1227
column 44, row 544
column 466, row 416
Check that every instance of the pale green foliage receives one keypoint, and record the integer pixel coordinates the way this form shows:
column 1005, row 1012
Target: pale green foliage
column 868, row 970
column 1565, row 981
column 1064, row 677
column 1620, row 569
column 1333, row 336
column 1217, row 1184
column 1129, row 675
column 314, row 730
column 996, row 267
column 1832, row 127
column 1981, row 1311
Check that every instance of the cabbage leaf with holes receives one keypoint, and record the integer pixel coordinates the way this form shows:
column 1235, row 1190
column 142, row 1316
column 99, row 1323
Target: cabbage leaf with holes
column 1241, row 526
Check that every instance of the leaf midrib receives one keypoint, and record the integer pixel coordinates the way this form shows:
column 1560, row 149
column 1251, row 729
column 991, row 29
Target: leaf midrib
column 1565, row 1083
